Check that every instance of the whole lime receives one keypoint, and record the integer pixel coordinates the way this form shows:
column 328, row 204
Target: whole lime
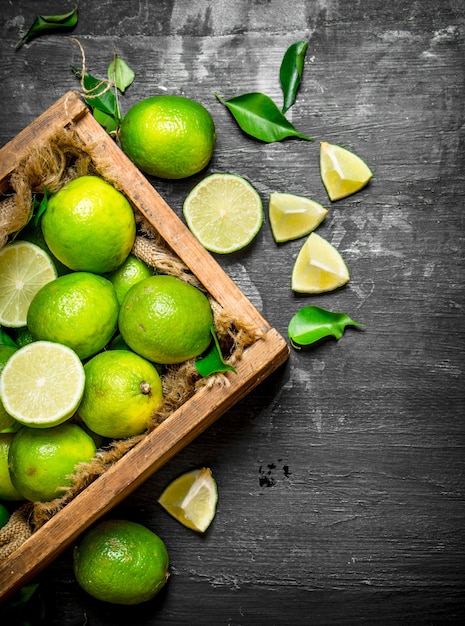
column 122, row 390
column 7, row 489
column 79, row 310
column 168, row 136
column 128, row 274
column 6, row 420
column 166, row 320
column 89, row 225
column 41, row 460
column 121, row 562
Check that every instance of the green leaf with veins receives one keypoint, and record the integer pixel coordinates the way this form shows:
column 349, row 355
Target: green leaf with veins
column 213, row 362
column 259, row 117
column 44, row 24
column 313, row 323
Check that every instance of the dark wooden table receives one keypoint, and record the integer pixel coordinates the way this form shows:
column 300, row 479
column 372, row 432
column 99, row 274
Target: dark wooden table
column 341, row 478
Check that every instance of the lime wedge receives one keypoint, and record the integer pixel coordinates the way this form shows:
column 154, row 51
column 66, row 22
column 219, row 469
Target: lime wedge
column 224, row 212
column 42, row 384
column 342, row 172
column 293, row 216
column 319, row 267
column 191, row 499
column 24, row 269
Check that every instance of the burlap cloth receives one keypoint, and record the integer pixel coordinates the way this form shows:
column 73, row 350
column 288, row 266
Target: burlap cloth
column 50, row 166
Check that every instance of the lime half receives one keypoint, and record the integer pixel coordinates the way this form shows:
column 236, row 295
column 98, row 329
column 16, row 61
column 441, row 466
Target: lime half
column 293, row 216
column 24, row 269
column 192, row 498
column 343, row 173
column 319, row 267
column 42, row 384
column 224, row 212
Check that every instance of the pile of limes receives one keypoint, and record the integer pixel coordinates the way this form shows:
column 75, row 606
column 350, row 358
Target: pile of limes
column 81, row 351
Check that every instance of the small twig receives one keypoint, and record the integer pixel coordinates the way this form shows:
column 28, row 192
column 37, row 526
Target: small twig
column 90, row 93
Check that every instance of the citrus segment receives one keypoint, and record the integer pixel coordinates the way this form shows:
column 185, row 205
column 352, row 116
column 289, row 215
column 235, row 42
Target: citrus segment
column 191, row 499
column 24, row 269
column 42, row 461
column 343, row 173
column 122, row 391
column 42, row 384
column 166, row 320
column 121, row 562
column 318, row 267
column 168, row 136
column 293, row 216
column 79, row 310
column 89, row 225
column 224, row 212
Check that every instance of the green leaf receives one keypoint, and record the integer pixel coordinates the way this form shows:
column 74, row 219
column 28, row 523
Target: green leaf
column 120, row 74
column 259, row 117
column 5, row 339
column 290, row 73
column 312, row 323
column 47, row 23
column 213, row 362
column 98, row 95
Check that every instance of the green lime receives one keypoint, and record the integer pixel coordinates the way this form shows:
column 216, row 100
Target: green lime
column 41, row 460
column 122, row 391
column 89, row 225
column 121, row 562
column 128, row 274
column 7, row 489
column 6, row 420
column 79, row 310
column 168, row 136
column 166, row 320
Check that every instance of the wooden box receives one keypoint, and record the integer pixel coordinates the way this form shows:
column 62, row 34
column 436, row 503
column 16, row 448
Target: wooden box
column 261, row 358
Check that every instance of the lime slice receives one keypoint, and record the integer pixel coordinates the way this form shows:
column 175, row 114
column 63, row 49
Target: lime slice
column 342, row 172
column 42, row 384
column 293, row 216
column 24, row 269
column 224, row 212
column 191, row 499
column 319, row 267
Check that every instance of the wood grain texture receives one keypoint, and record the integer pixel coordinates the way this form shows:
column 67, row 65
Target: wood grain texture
column 341, row 478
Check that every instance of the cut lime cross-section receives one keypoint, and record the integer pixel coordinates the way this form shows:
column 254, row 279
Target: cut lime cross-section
column 191, row 499
column 343, row 173
column 42, row 384
column 224, row 212
column 24, row 269
column 293, row 216
column 319, row 267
